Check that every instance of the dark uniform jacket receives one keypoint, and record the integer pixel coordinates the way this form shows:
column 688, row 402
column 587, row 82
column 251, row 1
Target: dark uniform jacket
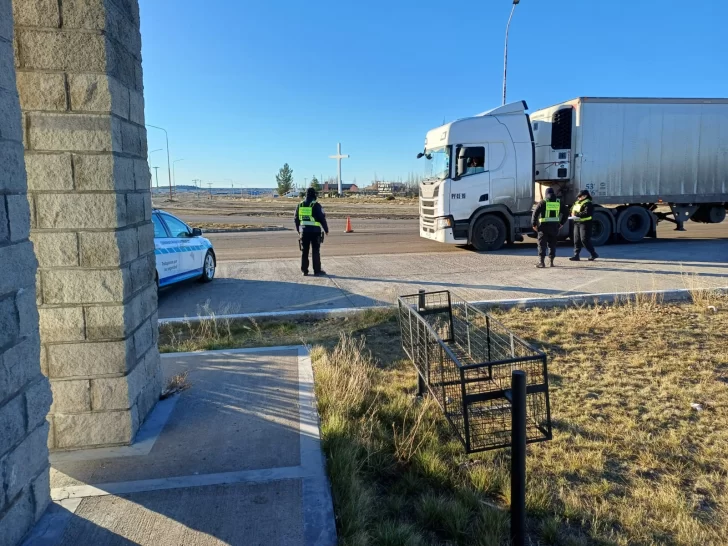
column 540, row 212
column 318, row 215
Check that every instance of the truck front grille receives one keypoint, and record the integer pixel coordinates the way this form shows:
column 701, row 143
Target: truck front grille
column 427, row 207
column 427, row 223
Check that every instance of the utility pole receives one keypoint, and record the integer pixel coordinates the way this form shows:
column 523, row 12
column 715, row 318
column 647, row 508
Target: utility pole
column 209, row 184
column 156, row 175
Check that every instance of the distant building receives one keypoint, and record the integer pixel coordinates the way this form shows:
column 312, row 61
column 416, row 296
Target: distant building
column 350, row 188
column 390, row 188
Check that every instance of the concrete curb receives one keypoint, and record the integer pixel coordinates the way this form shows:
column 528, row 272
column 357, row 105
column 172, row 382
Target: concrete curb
column 544, row 303
column 682, row 294
column 304, row 314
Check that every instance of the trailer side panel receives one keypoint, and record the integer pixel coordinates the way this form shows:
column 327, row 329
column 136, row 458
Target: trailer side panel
column 642, row 151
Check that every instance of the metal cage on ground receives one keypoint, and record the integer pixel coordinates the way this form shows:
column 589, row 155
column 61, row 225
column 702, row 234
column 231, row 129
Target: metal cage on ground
column 465, row 358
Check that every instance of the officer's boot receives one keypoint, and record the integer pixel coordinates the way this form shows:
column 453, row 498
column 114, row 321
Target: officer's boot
column 540, row 264
column 551, row 261
column 575, row 257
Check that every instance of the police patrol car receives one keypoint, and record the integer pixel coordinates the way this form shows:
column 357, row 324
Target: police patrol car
column 182, row 252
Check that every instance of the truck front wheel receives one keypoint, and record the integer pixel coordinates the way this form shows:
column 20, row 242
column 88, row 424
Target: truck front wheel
column 601, row 229
column 489, row 233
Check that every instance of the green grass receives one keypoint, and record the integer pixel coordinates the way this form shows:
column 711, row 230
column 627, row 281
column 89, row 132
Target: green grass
column 631, row 462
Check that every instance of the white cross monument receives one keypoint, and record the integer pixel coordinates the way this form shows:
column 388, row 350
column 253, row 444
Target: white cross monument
column 338, row 157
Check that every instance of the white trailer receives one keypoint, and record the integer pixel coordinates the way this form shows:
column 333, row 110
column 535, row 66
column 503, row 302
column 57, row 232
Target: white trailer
column 643, row 160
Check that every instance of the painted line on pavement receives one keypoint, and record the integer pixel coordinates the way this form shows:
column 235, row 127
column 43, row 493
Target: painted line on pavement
column 197, row 480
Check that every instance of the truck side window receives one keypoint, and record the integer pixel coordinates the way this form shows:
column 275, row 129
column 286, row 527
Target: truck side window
column 561, row 129
column 471, row 160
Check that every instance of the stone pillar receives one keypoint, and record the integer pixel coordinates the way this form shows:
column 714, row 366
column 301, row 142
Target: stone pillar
column 80, row 84
column 24, row 393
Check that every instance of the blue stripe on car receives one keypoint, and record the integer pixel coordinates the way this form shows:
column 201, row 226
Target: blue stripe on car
column 180, row 277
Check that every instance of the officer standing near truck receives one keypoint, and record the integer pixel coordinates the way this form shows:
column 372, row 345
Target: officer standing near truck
column 547, row 219
column 582, row 213
column 311, row 225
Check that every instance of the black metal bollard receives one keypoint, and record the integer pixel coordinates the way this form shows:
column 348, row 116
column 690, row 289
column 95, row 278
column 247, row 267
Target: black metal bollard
column 518, row 458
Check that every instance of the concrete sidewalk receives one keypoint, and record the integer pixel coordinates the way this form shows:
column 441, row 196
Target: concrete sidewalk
column 235, row 459
column 256, row 286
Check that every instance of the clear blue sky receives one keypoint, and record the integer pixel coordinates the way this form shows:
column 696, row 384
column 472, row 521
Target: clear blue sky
column 243, row 86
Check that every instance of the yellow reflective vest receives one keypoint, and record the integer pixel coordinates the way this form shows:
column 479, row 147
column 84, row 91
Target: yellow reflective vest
column 552, row 213
column 305, row 214
column 576, row 209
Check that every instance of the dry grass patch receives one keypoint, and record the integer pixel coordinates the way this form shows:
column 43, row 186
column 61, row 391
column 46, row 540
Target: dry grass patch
column 632, row 461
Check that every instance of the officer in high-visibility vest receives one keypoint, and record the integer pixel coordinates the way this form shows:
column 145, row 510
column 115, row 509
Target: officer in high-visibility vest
column 547, row 219
column 582, row 213
column 311, row 224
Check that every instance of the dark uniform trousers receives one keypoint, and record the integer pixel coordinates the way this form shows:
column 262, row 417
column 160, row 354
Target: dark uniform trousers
column 548, row 236
column 311, row 240
column 582, row 237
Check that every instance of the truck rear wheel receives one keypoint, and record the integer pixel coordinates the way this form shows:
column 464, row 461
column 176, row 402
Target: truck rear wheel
column 489, row 233
column 716, row 214
column 709, row 214
column 601, row 228
column 633, row 224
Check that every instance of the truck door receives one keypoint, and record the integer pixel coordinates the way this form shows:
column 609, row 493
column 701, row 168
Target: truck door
column 471, row 184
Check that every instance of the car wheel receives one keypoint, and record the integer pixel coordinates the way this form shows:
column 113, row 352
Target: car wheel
column 489, row 233
column 208, row 267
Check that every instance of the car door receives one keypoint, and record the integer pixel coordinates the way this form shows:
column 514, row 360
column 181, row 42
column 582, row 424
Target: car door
column 168, row 263
column 180, row 247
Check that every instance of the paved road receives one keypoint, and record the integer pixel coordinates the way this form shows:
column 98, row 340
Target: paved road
column 375, row 268
column 380, row 236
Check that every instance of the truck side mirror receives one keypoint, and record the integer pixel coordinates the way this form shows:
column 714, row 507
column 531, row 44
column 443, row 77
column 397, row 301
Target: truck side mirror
column 420, row 155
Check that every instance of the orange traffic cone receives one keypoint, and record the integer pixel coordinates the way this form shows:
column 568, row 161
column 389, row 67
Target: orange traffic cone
column 348, row 226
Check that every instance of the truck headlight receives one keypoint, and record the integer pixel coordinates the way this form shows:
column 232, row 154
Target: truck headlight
column 444, row 222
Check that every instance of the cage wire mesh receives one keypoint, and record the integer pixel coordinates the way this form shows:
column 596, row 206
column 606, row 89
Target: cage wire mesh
column 466, row 357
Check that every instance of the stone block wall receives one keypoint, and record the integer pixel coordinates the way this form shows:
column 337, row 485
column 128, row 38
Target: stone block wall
column 24, row 392
column 79, row 80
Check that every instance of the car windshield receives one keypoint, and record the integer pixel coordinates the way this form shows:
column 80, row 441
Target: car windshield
column 438, row 163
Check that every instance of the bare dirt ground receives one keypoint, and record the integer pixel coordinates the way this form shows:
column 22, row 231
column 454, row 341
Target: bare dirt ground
column 355, row 207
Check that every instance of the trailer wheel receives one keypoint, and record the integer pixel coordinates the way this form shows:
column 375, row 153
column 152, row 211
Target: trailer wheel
column 633, row 224
column 601, row 228
column 716, row 215
column 489, row 233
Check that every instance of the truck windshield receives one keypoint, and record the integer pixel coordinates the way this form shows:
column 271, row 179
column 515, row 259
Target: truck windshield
column 438, row 163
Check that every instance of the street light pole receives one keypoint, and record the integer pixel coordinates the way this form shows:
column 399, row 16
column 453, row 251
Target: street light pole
column 505, row 50
column 169, row 168
column 156, row 175
column 174, row 178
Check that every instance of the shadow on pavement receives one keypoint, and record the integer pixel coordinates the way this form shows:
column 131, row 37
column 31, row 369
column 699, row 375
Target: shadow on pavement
column 225, row 296
column 499, row 288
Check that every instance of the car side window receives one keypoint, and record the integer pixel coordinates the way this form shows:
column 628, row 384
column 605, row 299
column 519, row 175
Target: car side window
column 159, row 231
column 176, row 227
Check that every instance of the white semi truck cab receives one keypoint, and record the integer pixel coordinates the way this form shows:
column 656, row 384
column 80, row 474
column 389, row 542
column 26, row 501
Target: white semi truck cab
column 643, row 160
column 479, row 188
